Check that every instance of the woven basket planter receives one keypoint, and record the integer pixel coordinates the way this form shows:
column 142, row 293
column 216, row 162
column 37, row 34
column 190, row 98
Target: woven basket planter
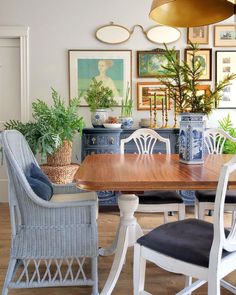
column 60, row 174
column 62, row 156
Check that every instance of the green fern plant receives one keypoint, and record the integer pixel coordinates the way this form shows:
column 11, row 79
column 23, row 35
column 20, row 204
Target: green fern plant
column 52, row 126
column 227, row 125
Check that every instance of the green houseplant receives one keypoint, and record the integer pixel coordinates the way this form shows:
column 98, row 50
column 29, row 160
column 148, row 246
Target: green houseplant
column 182, row 87
column 227, row 125
column 53, row 127
column 126, row 119
column 99, row 99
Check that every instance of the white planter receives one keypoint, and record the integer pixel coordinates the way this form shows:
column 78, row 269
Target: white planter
column 99, row 117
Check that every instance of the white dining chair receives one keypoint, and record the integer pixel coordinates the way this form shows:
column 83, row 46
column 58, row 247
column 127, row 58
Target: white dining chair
column 214, row 144
column 192, row 247
column 145, row 141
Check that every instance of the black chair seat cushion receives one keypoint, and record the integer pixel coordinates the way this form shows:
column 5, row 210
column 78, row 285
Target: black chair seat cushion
column 187, row 240
column 209, row 196
column 160, row 197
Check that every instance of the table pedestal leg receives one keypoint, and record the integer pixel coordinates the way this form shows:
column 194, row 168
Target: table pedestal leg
column 128, row 232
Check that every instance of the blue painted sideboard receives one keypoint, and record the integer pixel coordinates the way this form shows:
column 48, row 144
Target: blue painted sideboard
column 104, row 140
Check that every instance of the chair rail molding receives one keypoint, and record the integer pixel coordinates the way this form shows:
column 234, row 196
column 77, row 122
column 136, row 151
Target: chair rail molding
column 21, row 32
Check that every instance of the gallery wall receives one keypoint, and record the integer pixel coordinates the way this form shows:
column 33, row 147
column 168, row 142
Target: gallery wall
column 57, row 26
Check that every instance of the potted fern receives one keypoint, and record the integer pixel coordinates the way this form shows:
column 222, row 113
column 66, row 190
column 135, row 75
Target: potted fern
column 99, row 99
column 53, row 129
column 182, row 86
column 126, row 119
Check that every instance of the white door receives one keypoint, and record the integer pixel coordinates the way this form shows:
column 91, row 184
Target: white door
column 10, row 103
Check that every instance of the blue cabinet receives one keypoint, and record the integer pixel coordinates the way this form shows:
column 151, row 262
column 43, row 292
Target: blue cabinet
column 103, row 140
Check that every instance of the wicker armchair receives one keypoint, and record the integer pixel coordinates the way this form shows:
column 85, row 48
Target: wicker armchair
column 51, row 241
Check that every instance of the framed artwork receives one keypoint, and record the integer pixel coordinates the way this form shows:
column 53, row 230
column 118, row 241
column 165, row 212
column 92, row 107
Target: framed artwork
column 204, row 55
column 147, row 91
column 149, row 63
column 225, row 36
column 198, row 35
column 112, row 67
column 226, row 64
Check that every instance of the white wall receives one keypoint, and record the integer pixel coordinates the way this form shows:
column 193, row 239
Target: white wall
column 59, row 25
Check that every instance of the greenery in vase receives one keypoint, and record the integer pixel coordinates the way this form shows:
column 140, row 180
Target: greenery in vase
column 182, row 84
column 127, row 104
column 52, row 124
column 99, row 97
column 227, row 125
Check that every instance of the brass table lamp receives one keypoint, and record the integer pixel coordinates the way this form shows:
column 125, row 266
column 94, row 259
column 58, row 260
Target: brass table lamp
column 191, row 13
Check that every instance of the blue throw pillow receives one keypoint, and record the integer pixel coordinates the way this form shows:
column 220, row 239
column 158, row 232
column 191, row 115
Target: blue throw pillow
column 39, row 182
column 40, row 188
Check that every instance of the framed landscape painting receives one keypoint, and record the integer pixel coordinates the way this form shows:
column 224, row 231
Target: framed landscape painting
column 204, row 56
column 112, row 67
column 147, row 91
column 198, row 35
column 225, row 36
column 225, row 65
column 149, row 64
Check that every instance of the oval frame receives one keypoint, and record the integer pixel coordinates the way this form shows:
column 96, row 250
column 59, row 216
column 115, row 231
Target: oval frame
column 156, row 27
column 113, row 25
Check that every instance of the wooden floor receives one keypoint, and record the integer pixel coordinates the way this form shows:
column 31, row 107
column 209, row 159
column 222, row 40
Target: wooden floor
column 158, row 282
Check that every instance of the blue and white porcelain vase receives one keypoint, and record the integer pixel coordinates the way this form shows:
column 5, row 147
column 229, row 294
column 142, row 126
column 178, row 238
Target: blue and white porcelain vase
column 126, row 122
column 191, row 138
column 99, row 117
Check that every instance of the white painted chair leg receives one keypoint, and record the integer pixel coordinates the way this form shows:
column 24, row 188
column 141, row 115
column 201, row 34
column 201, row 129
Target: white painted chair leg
column 165, row 216
column 213, row 285
column 9, row 274
column 129, row 232
column 196, row 211
column 201, row 211
column 181, row 212
column 138, row 270
column 95, row 276
column 188, row 282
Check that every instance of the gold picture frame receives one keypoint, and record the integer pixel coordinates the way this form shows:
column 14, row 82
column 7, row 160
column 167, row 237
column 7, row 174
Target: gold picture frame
column 147, row 90
column 225, row 36
column 199, row 35
column 205, row 57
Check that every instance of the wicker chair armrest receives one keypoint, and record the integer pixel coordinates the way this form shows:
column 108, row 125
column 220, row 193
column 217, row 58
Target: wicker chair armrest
column 69, row 188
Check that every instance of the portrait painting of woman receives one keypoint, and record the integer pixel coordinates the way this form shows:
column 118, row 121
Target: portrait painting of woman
column 113, row 68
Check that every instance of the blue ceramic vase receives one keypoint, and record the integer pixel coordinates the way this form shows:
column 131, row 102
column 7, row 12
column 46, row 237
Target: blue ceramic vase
column 191, row 138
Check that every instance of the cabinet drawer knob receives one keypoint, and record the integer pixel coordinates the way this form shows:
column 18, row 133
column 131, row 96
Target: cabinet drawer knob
column 93, row 140
column 112, row 140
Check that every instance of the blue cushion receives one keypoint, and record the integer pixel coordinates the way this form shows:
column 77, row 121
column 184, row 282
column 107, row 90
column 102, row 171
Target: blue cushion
column 39, row 182
column 40, row 188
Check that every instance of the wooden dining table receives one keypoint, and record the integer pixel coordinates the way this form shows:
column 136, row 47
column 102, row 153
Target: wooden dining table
column 130, row 173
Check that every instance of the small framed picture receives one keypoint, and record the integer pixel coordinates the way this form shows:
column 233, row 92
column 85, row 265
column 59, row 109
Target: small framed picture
column 112, row 67
column 225, row 65
column 149, row 64
column 225, row 36
column 146, row 91
column 204, row 55
column 198, row 35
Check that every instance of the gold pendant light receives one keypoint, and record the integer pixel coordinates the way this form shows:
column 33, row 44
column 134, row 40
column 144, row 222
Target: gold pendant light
column 190, row 13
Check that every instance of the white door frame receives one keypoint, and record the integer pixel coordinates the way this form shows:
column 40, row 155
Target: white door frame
column 23, row 34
